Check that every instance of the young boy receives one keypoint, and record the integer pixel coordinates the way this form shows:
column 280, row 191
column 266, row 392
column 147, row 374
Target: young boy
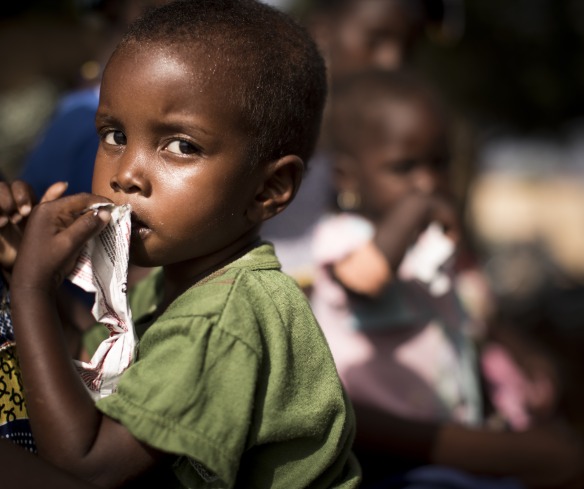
column 208, row 111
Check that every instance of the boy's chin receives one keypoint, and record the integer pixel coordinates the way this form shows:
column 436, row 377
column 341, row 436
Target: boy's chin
column 139, row 258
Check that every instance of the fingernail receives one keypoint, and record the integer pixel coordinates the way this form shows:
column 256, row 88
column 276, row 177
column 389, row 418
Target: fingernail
column 25, row 210
column 3, row 221
column 104, row 214
column 15, row 218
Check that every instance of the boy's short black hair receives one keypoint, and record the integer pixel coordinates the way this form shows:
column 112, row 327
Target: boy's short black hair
column 354, row 96
column 279, row 78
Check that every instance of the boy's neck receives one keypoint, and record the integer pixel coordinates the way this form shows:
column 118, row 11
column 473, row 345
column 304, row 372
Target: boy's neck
column 176, row 281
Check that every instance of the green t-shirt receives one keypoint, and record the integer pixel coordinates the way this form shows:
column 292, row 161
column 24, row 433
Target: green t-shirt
column 237, row 379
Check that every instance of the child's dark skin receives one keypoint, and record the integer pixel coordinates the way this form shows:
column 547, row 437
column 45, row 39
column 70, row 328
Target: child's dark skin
column 171, row 147
column 27, row 471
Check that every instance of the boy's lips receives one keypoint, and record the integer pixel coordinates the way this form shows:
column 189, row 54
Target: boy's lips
column 139, row 228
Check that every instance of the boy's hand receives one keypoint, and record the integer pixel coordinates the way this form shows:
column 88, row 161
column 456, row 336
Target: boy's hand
column 16, row 202
column 54, row 236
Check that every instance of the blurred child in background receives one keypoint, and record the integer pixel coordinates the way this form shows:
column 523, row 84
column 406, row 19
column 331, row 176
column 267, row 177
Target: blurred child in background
column 352, row 35
column 386, row 297
column 358, row 34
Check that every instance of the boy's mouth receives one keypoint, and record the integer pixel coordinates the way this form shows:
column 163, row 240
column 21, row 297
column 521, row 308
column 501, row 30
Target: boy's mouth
column 139, row 228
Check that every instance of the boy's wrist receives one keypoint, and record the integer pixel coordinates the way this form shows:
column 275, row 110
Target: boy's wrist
column 32, row 285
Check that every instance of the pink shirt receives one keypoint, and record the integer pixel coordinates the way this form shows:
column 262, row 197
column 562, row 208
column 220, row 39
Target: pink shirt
column 407, row 351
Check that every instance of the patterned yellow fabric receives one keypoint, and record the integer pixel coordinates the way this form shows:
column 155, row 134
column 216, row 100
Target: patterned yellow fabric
column 14, row 424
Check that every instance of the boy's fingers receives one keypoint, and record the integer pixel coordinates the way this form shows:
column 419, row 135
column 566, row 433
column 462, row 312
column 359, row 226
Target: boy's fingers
column 88, row 225
column 7, row 204
column 24, row 197
column 54, row 191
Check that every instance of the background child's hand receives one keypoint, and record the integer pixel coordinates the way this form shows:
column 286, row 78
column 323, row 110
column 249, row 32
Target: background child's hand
column 53, row 238
column 16, row 202
column 443, row 211
column 401, row 226
column 369, row 269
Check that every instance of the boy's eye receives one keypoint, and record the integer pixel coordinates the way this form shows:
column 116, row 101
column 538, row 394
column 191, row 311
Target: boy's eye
column 181, row 147
column 115, row 138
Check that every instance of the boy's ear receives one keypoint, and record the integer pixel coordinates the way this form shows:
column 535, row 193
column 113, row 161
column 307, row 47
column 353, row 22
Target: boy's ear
column 282, row 179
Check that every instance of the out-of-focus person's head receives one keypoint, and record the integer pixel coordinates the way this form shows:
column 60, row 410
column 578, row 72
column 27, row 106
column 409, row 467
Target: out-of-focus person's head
column 388, row 136
column 359, row 34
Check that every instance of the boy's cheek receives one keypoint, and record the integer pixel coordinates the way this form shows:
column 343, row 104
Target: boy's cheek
column 100, row 183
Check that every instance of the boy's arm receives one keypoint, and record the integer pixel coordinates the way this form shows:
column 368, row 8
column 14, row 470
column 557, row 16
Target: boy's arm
column 69, row 431
column 24, row 470
column 542, row 457
column 367, row 270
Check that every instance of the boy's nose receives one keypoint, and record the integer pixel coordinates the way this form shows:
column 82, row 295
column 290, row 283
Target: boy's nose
column 130, row 177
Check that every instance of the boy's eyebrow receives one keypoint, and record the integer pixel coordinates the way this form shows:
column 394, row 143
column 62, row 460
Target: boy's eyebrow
column 105, row 118
column 180, row 126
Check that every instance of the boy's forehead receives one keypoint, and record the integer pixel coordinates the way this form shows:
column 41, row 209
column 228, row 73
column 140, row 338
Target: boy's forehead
column 159, row 55
column 176, row 83
column 194, row 66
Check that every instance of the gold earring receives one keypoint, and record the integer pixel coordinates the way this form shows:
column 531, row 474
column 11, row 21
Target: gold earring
column 348, row 200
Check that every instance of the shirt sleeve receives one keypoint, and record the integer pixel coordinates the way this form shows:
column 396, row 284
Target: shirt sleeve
column 190, row 393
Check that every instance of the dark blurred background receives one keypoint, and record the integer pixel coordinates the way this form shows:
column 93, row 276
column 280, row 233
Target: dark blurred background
column 47, row 48
column 518, row 65
column 512, row 66
column 512, row 71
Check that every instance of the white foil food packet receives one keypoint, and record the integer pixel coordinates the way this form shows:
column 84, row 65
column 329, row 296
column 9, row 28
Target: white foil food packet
column 102, row 268
column 425, row 260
